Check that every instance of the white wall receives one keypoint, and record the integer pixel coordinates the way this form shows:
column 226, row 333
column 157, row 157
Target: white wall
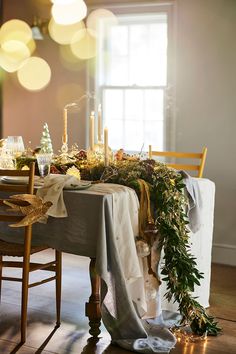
column 206, row 104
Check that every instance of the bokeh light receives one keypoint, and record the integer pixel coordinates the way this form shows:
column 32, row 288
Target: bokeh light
column 34, row 74
column 69, row 12
column 15, row 30
column 31, row 45
column 98, row 15
column 12, row 55
column 63, row 34
column 83, row 45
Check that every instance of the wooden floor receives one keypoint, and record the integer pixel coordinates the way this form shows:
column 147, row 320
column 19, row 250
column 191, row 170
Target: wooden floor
column 72, row 336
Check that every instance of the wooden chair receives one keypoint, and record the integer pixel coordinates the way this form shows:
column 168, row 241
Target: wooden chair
column 25, row 250
column 201, row 157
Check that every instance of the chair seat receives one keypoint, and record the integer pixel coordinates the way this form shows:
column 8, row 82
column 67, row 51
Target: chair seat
column 16, row 249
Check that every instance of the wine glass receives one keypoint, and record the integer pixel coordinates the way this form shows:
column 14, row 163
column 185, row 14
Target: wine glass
column 14, row 146
column 44, row 161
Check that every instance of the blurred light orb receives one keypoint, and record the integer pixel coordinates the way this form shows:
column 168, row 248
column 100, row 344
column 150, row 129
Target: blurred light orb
column 69, row 12
column 12, row 55
column 31, row 45
column 16, row 49
column 83, row 45
column 63, row 34
column 34, row 74
column 98, row 15
column 15, row 30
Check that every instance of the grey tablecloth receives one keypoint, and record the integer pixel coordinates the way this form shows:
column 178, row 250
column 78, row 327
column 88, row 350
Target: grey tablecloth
column 89, row 231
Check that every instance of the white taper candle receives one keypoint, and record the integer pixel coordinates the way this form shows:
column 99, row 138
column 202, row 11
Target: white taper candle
column 91, row 131
column 106, row 154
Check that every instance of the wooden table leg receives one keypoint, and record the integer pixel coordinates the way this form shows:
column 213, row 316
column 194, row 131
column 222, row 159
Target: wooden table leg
column 92, row 308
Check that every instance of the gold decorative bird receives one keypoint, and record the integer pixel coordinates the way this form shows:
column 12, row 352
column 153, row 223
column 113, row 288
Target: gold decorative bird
column 34, row 211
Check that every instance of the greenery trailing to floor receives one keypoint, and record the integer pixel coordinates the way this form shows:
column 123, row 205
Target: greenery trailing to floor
column 168, row 207
column 168, row 200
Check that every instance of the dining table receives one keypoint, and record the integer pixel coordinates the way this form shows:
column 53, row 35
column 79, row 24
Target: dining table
column 101, row 223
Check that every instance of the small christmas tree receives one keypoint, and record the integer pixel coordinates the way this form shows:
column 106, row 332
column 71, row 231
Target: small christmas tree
column 45, row 142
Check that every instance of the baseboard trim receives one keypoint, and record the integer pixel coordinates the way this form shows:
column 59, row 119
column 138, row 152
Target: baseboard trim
column 224, row 254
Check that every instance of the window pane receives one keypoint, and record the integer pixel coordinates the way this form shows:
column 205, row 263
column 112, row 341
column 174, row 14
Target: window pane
column 119, row 41
column 134, row 117
column 154, row 105
column 133, row 135
column 118, row 74
column 137, row 52
column 113, row 105
column 133, row 104
column 153, row 135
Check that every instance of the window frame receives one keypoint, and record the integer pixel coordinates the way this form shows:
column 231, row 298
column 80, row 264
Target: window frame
column 169, row 90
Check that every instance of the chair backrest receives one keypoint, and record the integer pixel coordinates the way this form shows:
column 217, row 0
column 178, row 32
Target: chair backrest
column 27, row 188
column 200, row 157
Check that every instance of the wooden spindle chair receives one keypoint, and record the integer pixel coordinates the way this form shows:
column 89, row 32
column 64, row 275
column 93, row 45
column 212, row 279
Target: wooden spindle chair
column 25, row 249
column 199, row 156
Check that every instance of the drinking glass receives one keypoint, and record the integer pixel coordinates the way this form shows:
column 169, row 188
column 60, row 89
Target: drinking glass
column 44, row 161
column 15, row 145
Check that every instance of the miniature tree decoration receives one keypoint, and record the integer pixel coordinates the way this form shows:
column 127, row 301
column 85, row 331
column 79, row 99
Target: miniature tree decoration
column 45, row 142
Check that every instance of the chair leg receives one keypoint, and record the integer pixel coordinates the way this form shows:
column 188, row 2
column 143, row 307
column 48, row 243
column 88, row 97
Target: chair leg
column 25, row 288
column 0, row 277
column 58, row 286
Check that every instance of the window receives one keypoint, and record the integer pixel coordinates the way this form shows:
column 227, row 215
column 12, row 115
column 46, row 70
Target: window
column 132, row 80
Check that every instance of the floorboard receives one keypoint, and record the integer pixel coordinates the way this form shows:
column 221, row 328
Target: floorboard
column 72, row 337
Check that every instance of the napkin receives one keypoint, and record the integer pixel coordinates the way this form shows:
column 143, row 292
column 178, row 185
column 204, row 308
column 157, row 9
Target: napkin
column 52, row 190
column 194, row 202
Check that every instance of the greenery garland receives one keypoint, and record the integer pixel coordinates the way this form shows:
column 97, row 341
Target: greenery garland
column 179, row 270
column 166, row 193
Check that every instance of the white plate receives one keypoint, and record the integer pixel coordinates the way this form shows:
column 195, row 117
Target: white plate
column 79, row 185
column 19, row 180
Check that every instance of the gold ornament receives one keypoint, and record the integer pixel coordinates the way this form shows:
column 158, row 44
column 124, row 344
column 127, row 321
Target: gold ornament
column 73, row 171
column 143, row 248
column 34, row 211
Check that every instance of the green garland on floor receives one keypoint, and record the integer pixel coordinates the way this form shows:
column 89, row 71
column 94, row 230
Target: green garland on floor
column 166, row 193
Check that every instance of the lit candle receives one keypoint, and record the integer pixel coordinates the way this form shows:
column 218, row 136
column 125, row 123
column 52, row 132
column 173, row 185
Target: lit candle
column 106, row 156
column 91, row 131
column 150, row 152
column 65, row 136
column 99, row 123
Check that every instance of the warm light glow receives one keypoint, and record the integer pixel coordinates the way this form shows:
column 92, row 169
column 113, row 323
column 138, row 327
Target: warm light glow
column 12, row 55
column 83, row 45
column 98, row 15
column 34, row 74
column 17, row 50
column 69, row 12
column 63, row 34
column 31, row 45
column 15, row 30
